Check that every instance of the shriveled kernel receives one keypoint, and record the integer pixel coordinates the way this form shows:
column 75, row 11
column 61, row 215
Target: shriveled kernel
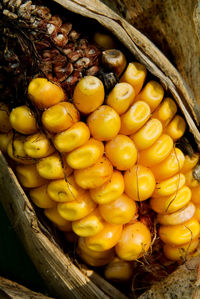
column 172, row 203
column 40, row 197
column 60, row 117
column 176, row 128
column 114, row 61
column 181, row 233
column 148, row 134
column 78, row 208
column 165, row 111
column 135, row 75
column 29, row 177
column 23, row 120
column 152, row 94
column 70, row 139
column 110, row 190
column 86, row 155
column 121, row 97
column 121, row 151
column 137, row 115
column 157, row 152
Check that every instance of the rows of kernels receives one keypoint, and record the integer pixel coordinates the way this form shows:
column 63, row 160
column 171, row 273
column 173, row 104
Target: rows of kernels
column 92, row 202
column 180, row 227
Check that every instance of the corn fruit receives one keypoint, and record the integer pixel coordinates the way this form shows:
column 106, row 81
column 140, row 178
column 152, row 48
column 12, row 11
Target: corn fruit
column 98, row 157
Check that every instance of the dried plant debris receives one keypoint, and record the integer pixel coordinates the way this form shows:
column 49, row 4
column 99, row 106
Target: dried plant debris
column 33, row 43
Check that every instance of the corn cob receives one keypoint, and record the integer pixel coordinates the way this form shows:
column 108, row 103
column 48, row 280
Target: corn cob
column 138, row 136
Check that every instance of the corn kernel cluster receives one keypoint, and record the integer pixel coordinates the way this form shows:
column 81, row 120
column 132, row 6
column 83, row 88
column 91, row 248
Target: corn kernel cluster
column 90, row 176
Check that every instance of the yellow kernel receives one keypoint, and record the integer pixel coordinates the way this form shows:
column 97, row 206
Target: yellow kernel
column 38, row 146
column 95, row 175
column 165, row 111
column 172, row 203
column 63, row 190
column 95, row 254
column 23, row 120
column 40, row 197
column 109, row 190
column 78, row 208
column 121, row 152
column 196, row 195
column 148, row 134
column 60, row 117
column 90, row 225
column 53, row 215
column 181, row 252
column 169, row 186
column 44, row 93
column 134, row 242
column 181, row 233
column 176, row 128
column 190, row 162
column 121, row 97
column 75, row 136
column 86, row 155
column 170, row 166
column 152, row 94
column 118, row 270
column 119, row 211
column 51, row 167
column 88, row 94
column 134, row 118
column 179, row 216
column 139, row 182
column 135, row 75
column 105, row 239
column 104, row 123
column 29, row 177
column 156, row 153
column 16, row 151
column 190, row 180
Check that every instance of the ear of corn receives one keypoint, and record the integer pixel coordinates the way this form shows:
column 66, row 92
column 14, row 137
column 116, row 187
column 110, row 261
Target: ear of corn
column 92, row 159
